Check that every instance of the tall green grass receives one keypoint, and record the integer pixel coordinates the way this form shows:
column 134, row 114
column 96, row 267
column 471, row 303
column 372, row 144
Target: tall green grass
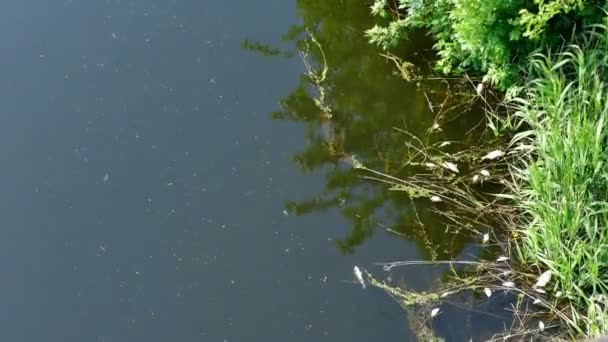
column 562, row 185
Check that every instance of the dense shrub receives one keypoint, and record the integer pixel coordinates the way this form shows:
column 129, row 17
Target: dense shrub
column 492, row 38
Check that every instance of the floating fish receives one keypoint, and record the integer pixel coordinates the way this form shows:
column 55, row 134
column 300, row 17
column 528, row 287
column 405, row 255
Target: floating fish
column 106, row 177
column 493, row 155
column 434, row 312
column 488, row 292
column 450, row 166
column 485, row 173
column 486, row 238
column 359, row 276
column 430, row 166
column 508, row 284
column 502, row 259
column 541, row 326
column 436, row 199
column 543, row 279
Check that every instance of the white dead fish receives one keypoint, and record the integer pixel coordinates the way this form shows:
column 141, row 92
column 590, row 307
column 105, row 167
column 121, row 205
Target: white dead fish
column 106, row 177
column 502, row 259
column 359, row 276
column 435, row 127
column 486, row 238
column 543, row 279
column 558, row 294
column 485, row 173
column 479, row 88
column 475, row 179
column 540, row 291
column 450, row 166
column 488, row 292
column 523, row 147
column 430, row 166
column 541, row 326
column 434, row 312
column 436, row 199
column 493, row 155
column 444, row 144
column 445, row 294
column 508, row 284
column 536, row 301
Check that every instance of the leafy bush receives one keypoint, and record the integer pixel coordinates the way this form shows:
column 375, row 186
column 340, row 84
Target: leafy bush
column 489, row 37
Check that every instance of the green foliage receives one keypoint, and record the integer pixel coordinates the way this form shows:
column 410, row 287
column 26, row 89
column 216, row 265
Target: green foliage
column 489, row 37
column 535, row 23
column 563, row 186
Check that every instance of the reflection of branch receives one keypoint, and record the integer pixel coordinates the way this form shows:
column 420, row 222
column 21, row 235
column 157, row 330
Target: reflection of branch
column 316, row 78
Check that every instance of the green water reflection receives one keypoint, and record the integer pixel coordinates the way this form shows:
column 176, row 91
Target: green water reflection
column 368, row 101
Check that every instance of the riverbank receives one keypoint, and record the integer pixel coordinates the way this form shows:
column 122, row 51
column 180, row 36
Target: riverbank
column 559, row 185
column 562, row 185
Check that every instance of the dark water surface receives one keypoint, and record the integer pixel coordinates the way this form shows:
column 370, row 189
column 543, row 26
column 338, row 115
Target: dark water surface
column 148, row 196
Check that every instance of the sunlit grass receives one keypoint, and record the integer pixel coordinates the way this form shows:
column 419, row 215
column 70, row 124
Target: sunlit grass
column 562, row 185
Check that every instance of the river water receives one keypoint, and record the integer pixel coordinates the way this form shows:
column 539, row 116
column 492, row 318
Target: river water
column 163, row 182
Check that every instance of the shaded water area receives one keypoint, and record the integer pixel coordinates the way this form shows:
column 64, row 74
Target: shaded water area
column 164, row 182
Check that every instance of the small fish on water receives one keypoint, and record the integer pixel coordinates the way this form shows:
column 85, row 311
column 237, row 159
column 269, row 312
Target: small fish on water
column 359, row 276
column 106, row 177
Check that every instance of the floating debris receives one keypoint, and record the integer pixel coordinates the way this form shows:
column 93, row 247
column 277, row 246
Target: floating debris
column 543, row 279
column 359, row 276
column 536, row 301
column 485, row 173
column 430, row 166
column 444, row 144
column 540, row 291
column 558, row 294
column 479, row 88
column 436, row 199
column 486, row 238
column 541, row 326
column 493, row 155
column 106, row 177
column 434, row 312
column 488, row 292
column 502, row 259
column 475, row 179
column 450, row 166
